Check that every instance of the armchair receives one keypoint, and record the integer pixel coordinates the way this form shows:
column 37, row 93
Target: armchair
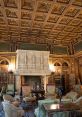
column 10, row 89
column 3, row 91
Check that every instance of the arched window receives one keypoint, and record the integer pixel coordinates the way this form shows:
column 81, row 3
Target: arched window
column 57, row 64
column 4, row 62
column 4, row 65
column 65, row 64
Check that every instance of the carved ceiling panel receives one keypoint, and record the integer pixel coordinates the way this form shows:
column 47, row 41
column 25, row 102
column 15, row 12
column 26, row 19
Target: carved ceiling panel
column 37, row 25
column 75, row 22
column 11, row 3
column 3, row 28
column 69, row 28
column 81, row 25
column 40, row 17
column 13, row 22
column 1, row 14
column 15, row 29
column 27, row 4
column 11, row 14
column 73, row 34
column 65, row 20
column 63, row 1
column 43, row 7
column 26, row 15
column 78, row 30
column 53, row 19
column 80, row 15
column 58, row 9
column 2, row 21
column 78, row 2
column 55, row 32
column 59, row 27
column 25, row 23
column 41, row 21
column 72, row 11
column 48, row 26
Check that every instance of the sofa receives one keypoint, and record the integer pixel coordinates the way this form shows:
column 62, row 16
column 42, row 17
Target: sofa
column 74, row 96
column 40, row 111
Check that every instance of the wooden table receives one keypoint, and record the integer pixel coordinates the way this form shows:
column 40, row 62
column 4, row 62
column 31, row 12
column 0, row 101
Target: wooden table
column 40, row 94
column 51, row 108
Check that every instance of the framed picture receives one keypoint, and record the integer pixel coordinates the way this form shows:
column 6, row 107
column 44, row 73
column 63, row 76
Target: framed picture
column 50, row 89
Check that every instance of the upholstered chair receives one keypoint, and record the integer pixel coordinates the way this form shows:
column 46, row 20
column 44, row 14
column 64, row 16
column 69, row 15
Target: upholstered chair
column 10, row 89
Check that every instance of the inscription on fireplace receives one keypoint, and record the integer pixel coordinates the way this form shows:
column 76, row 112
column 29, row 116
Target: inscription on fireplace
column 31, row 62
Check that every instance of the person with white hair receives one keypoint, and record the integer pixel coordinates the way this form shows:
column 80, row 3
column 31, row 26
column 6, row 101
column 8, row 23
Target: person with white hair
column 7, row 99
column 11, row 107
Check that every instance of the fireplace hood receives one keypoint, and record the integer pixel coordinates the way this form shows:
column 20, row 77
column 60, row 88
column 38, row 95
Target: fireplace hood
column 31, row 62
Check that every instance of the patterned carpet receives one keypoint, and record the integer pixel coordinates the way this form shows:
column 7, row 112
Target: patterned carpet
column 1, row 111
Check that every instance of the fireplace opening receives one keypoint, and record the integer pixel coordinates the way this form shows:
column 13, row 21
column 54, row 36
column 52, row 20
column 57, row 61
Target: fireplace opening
column 31, row 81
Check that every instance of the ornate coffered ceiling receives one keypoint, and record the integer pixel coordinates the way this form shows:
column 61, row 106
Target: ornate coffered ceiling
column 41, row 21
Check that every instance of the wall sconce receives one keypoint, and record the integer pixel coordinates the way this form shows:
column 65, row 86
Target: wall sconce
column 11, row 67
column 55, row 69
column 52, row 67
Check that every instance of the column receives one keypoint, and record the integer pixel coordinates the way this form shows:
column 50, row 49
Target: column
column 45, row 79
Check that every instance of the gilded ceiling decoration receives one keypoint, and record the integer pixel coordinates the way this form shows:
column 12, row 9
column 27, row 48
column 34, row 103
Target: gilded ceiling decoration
column 41, row 21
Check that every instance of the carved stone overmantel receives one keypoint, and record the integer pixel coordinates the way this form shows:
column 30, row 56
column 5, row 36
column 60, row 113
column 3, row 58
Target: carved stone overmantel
column 30, row 62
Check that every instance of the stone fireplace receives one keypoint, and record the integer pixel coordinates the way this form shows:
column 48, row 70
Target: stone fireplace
column 32, row 67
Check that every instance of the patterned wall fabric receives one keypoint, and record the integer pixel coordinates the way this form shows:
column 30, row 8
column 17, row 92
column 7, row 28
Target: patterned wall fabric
column 5, row 47
column 78, row 46
column 42, row 47
column 60, row 50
